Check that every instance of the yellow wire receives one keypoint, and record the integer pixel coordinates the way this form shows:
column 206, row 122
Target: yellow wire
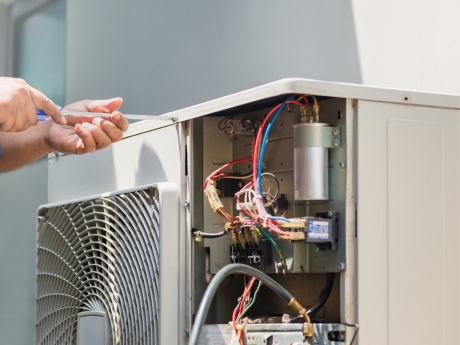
column 277, row 250
column 315, row 101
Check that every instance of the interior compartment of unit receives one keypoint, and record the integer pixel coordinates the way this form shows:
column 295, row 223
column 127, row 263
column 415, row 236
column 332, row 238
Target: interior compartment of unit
column 306, row 266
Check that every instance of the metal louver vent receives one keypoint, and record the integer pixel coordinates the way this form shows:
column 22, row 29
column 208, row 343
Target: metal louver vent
column 103, row 254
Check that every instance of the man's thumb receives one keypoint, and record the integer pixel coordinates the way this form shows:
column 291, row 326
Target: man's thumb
column 105, row 106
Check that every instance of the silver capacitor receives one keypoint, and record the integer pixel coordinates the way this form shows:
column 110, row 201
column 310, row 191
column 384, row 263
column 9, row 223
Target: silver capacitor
column 311, row 155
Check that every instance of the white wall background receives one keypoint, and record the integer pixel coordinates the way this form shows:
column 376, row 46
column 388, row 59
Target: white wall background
column 165, row 55
column 410, row 44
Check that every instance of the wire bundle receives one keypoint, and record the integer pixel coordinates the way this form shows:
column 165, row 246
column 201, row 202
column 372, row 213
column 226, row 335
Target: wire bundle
column 244, row 304
column 253, row 206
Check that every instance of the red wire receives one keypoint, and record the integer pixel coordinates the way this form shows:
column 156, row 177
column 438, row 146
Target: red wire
column 255, row 154
column 225, row 166
column 306, row 100
column 245, row 295
column 258, row 139
column 239, row 307
column 234, row 319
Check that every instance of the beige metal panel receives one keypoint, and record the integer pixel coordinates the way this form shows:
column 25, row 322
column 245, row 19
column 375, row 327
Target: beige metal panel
column 315, row 87
column 135, row 161
column 408, row 227
column 298, row 86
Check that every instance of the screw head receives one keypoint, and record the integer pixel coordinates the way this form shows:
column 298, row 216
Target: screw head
column 342, row 165
column 336, row 131
column 336, row 142
column 186, row 332
column 187, row 203
column 342, row 266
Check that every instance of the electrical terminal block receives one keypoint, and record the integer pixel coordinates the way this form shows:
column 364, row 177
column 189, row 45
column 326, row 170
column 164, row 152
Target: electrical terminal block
column 296, row 223
column 213, row 198
column 247, row 251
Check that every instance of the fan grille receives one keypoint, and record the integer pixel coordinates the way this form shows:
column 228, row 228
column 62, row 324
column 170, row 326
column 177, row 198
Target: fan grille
column 100, row 255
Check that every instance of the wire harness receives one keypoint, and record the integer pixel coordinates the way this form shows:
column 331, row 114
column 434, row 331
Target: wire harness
column 205, row 304
column 256, row 201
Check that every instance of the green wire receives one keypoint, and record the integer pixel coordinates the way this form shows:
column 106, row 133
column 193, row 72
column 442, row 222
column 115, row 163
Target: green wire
column 250, row 305
column 272, row 242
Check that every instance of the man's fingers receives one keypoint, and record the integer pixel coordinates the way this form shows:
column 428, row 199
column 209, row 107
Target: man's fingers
column 120, row 121
column 114, row 128
column 113, row 132
column 101, row 139
column 105, row 105
column 44, row 103
column 86, row 142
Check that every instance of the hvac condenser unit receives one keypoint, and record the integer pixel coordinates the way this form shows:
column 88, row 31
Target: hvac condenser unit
column 340, row 199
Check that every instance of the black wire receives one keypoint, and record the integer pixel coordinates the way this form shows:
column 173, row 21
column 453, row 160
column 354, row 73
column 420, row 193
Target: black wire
column 321, row 301
column 225, row 118
column 356, row 332
column 210, row 235
column 323, row 296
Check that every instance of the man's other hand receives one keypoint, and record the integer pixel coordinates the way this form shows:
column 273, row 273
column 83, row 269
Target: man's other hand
column 79, row 136
column 19, row 103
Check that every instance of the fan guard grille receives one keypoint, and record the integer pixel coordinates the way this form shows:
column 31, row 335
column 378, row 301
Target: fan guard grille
column 100, row 255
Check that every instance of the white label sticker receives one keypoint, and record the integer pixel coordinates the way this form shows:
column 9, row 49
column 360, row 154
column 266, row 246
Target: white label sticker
column 318, row 230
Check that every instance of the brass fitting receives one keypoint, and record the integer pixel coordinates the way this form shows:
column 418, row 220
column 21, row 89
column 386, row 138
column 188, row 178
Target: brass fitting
column 307, row 328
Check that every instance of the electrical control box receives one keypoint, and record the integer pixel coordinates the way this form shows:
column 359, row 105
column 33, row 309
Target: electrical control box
column 331, row 191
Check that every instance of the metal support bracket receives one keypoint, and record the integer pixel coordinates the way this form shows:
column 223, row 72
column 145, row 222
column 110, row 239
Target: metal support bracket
column 330, row 137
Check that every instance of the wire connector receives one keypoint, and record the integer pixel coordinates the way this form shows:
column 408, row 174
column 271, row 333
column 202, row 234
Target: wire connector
column 297, row 223
column 297, row 236
column 316, row 113
column 230, row 226
column 213, row 198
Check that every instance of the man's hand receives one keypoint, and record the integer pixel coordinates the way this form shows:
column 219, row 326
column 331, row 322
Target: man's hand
column 80, row 137
column 19, row 103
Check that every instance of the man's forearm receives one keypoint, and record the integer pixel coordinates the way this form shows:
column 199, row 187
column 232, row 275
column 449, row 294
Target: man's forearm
column 22, row 148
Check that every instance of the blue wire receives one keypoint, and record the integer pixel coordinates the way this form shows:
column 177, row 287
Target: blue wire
column 264, row 143
column 280, row 218
column 262, row 153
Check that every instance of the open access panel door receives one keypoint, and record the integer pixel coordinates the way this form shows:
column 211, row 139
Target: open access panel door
column 408, row 224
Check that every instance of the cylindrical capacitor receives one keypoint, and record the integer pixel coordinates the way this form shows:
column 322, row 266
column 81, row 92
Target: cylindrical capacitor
column 311, row 174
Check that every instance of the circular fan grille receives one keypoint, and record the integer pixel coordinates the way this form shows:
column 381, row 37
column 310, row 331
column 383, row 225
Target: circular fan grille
column 100, row 255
